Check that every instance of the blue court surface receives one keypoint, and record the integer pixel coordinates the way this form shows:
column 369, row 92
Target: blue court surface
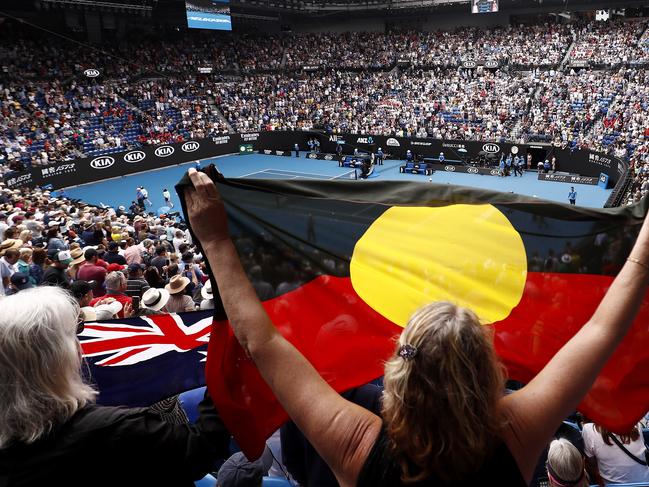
column 121, row 191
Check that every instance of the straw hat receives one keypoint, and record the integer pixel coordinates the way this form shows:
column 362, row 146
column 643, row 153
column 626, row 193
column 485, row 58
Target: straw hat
column 77, row 256
column 10, row 243
column 177, row 284
column 155, row 299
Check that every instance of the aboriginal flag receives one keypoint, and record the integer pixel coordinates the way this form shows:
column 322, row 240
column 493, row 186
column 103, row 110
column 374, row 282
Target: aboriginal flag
column 340, row 266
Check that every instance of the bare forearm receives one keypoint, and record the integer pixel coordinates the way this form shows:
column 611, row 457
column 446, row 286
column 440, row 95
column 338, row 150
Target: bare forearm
column 247, row 316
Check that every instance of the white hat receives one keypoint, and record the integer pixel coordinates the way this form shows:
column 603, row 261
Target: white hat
column 108, row 311
column 89, row 313
column 206, row 292
column 155, row 298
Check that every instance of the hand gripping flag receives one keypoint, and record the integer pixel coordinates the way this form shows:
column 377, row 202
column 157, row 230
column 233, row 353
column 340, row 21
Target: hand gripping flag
column 340, row 267
column 139, row 361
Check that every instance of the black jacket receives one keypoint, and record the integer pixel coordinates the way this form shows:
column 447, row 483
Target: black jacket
column 117, row 446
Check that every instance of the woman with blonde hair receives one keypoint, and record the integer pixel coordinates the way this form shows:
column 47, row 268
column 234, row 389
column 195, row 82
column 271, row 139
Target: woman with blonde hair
column 565, row 465
column 52, row 433
column 445, row 418
column 26, row 237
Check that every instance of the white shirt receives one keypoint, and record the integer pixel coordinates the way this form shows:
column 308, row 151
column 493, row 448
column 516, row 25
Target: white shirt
column 6, row 270
column 166, row 195
column 614, row 465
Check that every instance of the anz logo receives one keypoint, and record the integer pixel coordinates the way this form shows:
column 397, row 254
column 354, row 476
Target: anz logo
column 164, row 151
column 134, row 156
column 190, row 146
column 491, row 148
column 102, row 162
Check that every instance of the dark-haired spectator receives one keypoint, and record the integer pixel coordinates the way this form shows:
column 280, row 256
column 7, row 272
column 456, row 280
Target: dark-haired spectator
column 37, row 267
column 82, row 292
column 238, row 471
column 8, row 267
column 153, row 277
column 54, row 241
column 19, row 282
column 609, row 455
column 160, row 261
column 91, row 271
column 112, row 256
column 56, row 274
column 136, row 285
column 133, row 253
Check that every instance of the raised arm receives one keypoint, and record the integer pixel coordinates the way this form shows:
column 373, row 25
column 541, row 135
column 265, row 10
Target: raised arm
column 342, row 432
column 538, row 408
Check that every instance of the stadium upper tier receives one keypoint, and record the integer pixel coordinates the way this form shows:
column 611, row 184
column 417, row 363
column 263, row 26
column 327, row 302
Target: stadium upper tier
column 409, row 84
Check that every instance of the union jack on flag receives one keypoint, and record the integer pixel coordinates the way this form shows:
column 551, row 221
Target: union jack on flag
column 139, row 361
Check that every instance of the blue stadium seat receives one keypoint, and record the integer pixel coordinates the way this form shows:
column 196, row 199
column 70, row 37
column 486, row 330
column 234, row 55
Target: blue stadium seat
column 189, row 402
column 276, row 482
column 207, row 481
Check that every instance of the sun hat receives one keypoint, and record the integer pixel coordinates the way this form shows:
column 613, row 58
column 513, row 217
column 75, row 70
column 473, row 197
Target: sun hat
column 77, row 256
column 155, row 298
column 206, row 292
column 177, row 284
column 108, row 311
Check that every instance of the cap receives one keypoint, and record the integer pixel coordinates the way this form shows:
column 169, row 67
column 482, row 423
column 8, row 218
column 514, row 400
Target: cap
column 64, row 257
column 20, row 281
column 114, row 268
column 238, row 471
column 135, row 267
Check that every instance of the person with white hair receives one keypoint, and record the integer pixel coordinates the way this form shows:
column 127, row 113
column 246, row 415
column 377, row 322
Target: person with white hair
column 565, row 465
column 53, row 433
column 444, row 419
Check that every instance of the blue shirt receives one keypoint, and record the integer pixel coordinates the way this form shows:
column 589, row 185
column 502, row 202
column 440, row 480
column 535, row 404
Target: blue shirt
column 572, row 195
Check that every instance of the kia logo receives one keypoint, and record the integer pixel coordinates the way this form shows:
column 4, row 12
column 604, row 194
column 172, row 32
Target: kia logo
column 470, row 64
column 491, row 148
column 491, row 64
column 312, row 156
column 190, row 146
column 164, row 151
column 102, row 162
column 134, row 156
column 472, row 170
column 449, row 168
column 329, row 157
column 91, row 73
column 494, row 172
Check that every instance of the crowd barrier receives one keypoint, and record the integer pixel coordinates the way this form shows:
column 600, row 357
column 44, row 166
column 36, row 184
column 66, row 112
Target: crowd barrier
column 90, row 169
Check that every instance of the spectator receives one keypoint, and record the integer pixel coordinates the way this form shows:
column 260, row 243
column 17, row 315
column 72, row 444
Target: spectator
column 56, row 274
column 52, row 432
column 77, row 261
column 113, row 256
column 19, row 282
column 178, row 301
column 136, row 285
column 91, row 271
column 115, row 289
column 25, row 260
column 133, row 253
column 82, row 293
column 208, row 296
column 565, row 465
column 238, row 471
column 155, row 300
column 443, row 384
column 160, row 261
column 607, row 459
column 153, row 278
column 37, row 267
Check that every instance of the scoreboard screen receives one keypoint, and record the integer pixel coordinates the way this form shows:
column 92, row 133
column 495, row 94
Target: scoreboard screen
column 208, row 14
column 484, row 6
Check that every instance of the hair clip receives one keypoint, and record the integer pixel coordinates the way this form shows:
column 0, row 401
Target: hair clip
column 407, row 352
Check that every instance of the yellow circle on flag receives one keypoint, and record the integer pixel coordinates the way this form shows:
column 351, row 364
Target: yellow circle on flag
column 467, row 254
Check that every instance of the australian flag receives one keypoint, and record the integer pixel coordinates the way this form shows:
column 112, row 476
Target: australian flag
column 139, row 361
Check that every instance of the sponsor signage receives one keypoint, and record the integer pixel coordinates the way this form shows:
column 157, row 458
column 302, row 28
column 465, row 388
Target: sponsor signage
column 365, row 140
column 164, row 151
column 134, row 156
column 91, row 73
column 310, row 67
column 420, row 143
column 51, row 171
column 18, row 180
column 250, row 137
column 392, row 142
column 205, row 69
column 190, row 146
column 491, row 64
column 246, row 149
column 491, row 148
column 569, row 178
column 600, row 159
column 469, row 64
column 103, row 162
column 224, row 139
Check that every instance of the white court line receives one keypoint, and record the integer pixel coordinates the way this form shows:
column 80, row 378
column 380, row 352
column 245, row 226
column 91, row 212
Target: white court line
column 299, row 173
column 252, row 173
